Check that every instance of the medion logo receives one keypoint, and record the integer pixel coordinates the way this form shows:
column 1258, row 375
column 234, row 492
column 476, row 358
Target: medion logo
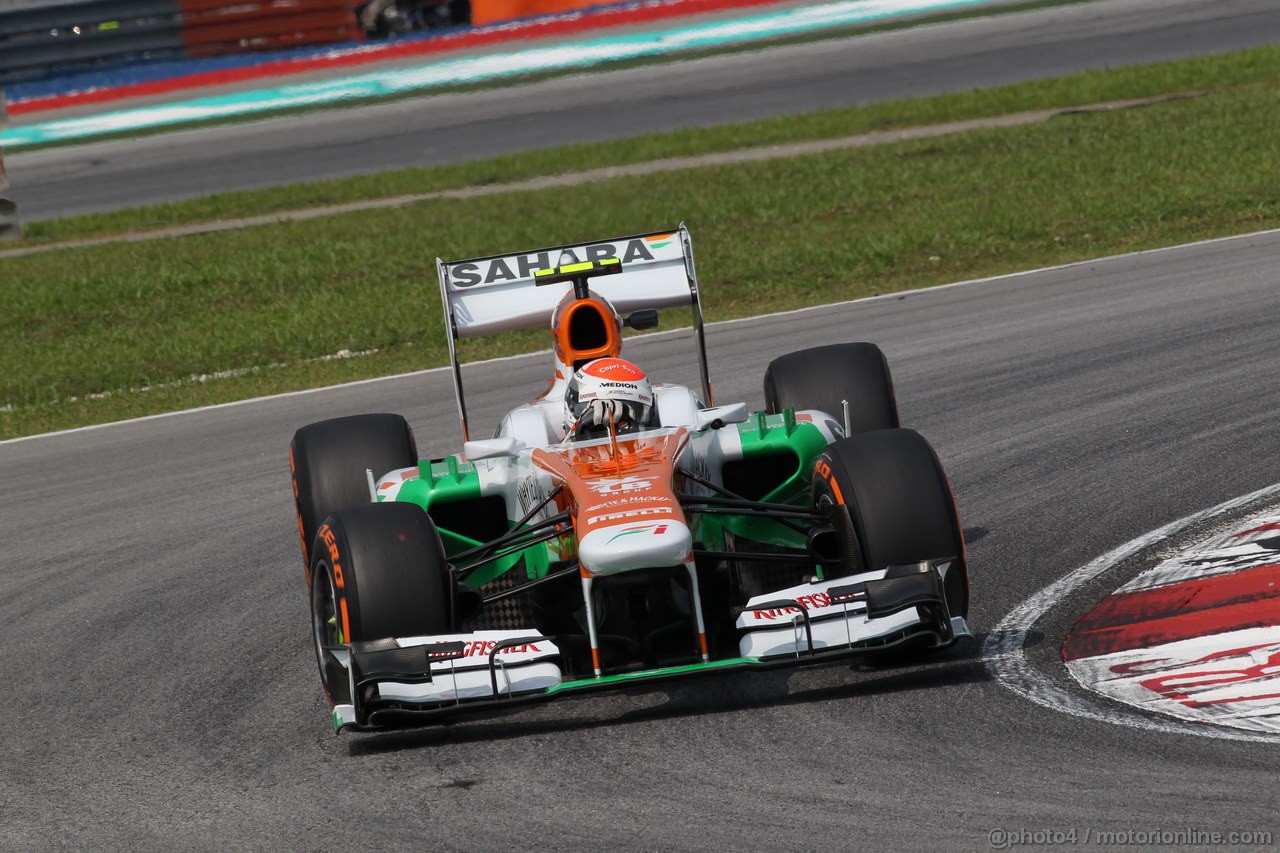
column 519, row 267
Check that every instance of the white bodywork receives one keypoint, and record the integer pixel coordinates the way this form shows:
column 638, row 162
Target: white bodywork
column 635, row 544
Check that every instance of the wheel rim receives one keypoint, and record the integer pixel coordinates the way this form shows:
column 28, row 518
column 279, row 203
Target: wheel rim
column 325, row 630
column 853, row 563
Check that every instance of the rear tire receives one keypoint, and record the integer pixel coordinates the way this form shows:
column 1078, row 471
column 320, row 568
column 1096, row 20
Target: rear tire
column 822, row 377
column 328, row 461
column 379, row 571
column 899, row 505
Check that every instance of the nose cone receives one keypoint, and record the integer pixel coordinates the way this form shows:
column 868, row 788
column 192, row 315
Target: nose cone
column 627, row 547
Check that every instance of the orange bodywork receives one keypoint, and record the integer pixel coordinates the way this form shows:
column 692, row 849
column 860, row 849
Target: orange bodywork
column 607, row 342
column 610, row 482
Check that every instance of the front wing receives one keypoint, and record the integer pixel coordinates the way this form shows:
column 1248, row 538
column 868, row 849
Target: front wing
column 419, row 680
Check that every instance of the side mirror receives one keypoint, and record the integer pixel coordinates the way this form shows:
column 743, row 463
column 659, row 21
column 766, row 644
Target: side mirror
column 642, row 320
column 492, row 448
column 718, row 416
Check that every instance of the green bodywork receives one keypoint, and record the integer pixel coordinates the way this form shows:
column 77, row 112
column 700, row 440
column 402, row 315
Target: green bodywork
column 451, row 481
column 650, row 674
column 764, row 436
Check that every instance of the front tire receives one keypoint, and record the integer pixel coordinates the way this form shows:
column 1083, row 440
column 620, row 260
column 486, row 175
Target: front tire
column 822, row 377
column 899, row 505
column 378, row 571
column 328, row 461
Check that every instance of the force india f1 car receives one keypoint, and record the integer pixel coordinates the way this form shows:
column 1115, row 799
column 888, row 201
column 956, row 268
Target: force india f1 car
column 550, row 560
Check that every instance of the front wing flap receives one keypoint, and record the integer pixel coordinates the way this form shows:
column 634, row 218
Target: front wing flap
column 861, row 612
column 413, row 674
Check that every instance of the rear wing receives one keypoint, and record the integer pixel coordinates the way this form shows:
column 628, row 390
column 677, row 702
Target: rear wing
column 500, row 293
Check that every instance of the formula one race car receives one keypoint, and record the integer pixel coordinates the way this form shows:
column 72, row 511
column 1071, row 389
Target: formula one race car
column 615, row 530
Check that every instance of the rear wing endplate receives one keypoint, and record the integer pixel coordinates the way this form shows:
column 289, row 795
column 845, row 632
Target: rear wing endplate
column 500, row 293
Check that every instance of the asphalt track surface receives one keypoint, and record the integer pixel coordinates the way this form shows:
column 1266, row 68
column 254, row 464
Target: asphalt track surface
column 425, row 131
column 160, row 689
column 161, row 693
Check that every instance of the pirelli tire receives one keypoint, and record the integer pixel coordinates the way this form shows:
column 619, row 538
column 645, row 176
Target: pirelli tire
column 823, row 377
column 891, row 505
column 329, row 461
column 377, row 571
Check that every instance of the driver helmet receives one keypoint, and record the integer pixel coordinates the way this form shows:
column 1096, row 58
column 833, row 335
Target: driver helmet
column 608, row 389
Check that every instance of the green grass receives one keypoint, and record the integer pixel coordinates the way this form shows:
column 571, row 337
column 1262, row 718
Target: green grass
column 1255, row 66
column 271, row 300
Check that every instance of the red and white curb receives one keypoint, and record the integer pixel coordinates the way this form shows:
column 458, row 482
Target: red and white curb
column 1197, row 637
column 1223, row 674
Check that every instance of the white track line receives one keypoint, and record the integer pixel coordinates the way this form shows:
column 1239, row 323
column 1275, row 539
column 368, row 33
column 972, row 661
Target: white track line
column 793, row 312
column 1004, row 650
